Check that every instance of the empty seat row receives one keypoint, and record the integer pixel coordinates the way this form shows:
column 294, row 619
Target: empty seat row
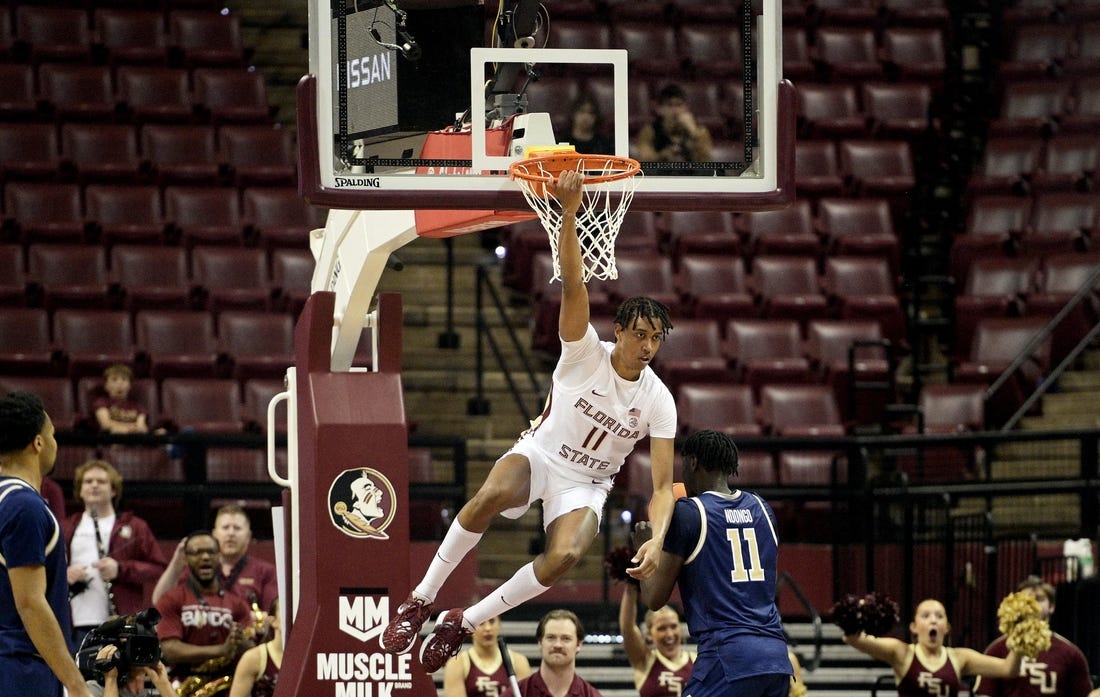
column 1066, row 162
column 795, row 12
column 193, row 37
column 1036, row 226
column 110, row 214
column 132, row 92
column 881, row 109
column 156, row 342
column 832, row 54
column 166, row 154
column 1012, row 286
column 855, row 167
column 715, row 288
column 866, row 12
column 137, row 277
column 1045, row 107
column 1050, row 49
column 829, row 225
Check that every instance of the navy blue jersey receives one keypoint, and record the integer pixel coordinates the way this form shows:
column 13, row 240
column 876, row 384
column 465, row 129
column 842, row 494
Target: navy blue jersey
column 730, row 549
column 29, row 536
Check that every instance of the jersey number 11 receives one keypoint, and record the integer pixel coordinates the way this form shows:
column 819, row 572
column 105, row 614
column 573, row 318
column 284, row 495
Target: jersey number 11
column 740, row 572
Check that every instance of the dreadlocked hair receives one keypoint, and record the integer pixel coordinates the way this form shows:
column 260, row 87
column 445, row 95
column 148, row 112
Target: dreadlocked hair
column 641, row 307
column 713, row 450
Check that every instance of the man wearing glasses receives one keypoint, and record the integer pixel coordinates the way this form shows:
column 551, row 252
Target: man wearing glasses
column 201, row 626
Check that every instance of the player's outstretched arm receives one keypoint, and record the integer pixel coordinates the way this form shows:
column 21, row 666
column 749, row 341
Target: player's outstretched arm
column 656, row 588
column 574, row 314
column 886, row 649
column 633, row 641
column 986, row 666
column 662, row 451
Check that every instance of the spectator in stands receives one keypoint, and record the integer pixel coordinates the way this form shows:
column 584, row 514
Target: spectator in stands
column 717, row 536
column 560, row 635
column 585, row 127
column 133, row 685
column 202, row 628
column 661, row 671
column 479, row 670
column 254, row 580
column 114, row 411
column 1061, row 671
column 112, row 555
column 35, row 656
column 928, row 655
column 674, row 135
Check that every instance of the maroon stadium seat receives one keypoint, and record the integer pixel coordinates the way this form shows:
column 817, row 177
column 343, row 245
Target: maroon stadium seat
column 124, row 214
column 766, row 351
column 26, row 346
column 93, row 339
column 50, row 267
column 175, row 343
column 257, row 344
column 231, row 278
column 155, row 93
column 722, row 407
column 151, row 277
column 181, row 154
column 131, row 35
column 206, row 406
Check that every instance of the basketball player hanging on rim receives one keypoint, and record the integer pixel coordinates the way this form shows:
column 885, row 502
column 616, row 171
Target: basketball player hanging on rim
column 604, row 398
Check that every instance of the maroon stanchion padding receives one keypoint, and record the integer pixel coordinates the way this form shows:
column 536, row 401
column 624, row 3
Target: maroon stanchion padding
column 353, row 537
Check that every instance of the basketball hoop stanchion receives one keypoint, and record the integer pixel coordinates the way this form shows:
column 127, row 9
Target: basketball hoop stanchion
column 608, row 190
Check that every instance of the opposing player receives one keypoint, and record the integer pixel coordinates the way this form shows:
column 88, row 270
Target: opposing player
column 722, row 551
column 927, row 662
column 604, row 398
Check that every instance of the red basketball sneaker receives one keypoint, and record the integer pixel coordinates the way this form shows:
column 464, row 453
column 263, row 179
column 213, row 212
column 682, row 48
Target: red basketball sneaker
column 401, row 632
column 444, row 641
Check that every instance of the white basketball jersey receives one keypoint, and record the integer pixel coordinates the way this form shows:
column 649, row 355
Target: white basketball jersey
column 593, row 418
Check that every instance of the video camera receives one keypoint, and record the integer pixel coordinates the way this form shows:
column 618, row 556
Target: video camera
column 134, row 635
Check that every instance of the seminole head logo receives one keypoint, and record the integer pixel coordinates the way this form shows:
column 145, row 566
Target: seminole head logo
column 361, row 503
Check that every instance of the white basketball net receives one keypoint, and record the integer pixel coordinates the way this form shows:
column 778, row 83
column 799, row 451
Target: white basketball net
column 603, row 207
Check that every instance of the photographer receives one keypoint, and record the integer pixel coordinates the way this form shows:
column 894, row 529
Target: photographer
column 121, row 653
column 133, row 685
column 674, row 135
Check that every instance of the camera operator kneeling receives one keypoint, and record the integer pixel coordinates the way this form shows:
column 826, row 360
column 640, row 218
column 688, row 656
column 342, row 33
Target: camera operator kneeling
column 133, row 684
column 120, row 655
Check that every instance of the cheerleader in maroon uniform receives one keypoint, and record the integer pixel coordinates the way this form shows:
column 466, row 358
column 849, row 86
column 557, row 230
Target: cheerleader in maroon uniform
column 927, row 668
column 661, row 671
column 257, row 672
column 479, row 670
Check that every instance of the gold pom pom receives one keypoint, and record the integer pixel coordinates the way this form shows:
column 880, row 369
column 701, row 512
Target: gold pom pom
column 1015, row 608
column 1018, row 619
column 797, row 689
column 1029, row 637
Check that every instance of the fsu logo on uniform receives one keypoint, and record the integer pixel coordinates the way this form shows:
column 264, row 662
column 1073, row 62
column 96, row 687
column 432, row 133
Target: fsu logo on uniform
column 361, row 503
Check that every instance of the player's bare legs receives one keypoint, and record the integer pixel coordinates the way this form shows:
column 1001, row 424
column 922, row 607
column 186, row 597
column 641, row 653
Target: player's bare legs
column 507, row 486
column 567, row 540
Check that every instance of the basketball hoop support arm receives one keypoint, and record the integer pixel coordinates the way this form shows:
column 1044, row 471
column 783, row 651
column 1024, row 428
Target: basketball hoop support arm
column 351, row 253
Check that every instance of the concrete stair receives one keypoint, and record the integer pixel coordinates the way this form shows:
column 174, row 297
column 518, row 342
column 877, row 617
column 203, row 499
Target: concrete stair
column 1071, row 405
